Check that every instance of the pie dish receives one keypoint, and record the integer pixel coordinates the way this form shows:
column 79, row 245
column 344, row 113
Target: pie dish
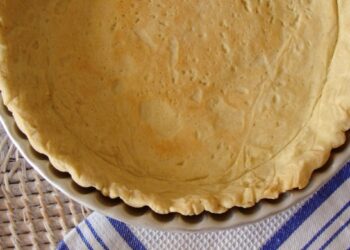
column 181, row 107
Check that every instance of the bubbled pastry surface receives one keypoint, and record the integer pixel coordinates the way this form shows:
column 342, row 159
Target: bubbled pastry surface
column 183, row 106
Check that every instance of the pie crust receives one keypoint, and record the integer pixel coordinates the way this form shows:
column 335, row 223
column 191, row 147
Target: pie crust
column 182, row 106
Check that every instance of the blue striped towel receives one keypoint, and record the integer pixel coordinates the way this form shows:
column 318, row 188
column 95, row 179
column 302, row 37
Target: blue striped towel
column 321, row 222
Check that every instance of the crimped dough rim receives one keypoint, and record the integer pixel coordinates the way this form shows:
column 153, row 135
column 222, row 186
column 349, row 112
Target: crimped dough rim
column 335, row 124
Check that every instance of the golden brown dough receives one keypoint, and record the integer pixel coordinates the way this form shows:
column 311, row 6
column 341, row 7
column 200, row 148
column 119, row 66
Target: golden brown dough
column 183, row 106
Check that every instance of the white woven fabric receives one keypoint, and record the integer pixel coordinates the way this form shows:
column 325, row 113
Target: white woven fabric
column 321, row 222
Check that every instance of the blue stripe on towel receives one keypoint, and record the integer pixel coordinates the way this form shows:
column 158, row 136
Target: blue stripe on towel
column 97, row 237
column 62, row 246
column 307, row 209
column 87, row 244
column 127, row 234
column 335, row 235
column 330, row 222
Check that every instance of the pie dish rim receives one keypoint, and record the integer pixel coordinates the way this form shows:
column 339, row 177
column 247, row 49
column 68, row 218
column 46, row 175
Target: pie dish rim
column 146, row 218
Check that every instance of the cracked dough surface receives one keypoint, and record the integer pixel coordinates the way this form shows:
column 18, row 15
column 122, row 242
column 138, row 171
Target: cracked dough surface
column 183, row 106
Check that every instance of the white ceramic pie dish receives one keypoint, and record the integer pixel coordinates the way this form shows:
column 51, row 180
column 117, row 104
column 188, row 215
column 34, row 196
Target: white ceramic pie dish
column 144, row 217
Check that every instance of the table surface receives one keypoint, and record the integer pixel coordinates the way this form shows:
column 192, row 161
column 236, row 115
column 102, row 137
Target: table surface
column 33, row 214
